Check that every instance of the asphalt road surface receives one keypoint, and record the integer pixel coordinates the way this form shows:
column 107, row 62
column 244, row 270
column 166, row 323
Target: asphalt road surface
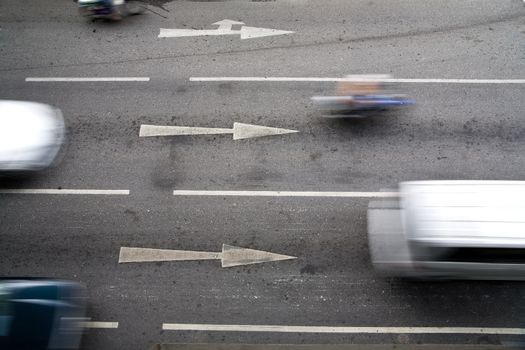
column 455, row 131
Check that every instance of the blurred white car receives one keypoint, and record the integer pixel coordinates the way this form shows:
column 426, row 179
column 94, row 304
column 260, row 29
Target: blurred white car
column 467, row 229
column 31, row 135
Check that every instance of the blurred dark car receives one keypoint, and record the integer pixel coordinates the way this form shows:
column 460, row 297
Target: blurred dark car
column 41, row 314
column 31, row 135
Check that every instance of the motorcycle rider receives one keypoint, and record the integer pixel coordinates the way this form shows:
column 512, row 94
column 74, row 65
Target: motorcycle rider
column 360, row 90
column 363, row 93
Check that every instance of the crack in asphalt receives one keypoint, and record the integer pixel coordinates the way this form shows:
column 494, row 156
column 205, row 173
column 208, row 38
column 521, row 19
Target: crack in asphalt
column 156, row 3
column 509, row 18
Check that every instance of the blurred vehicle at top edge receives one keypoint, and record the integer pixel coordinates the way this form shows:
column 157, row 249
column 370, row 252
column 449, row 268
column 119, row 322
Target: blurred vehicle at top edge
column 108, row 9
column 362, row 93
column 31, row 135
column 450, row 229
column 37, row 313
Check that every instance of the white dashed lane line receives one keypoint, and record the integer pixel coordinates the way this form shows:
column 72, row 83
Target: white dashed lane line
column 348, row 330
column 285, row 194
column 331, row 79
column 92, row 79
column 100, row 325
column 63, row 191
column 280, row 79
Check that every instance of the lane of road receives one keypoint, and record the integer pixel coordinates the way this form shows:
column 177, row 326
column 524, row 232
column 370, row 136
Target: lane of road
column 340, row 26
column 330, row 283
column 453, row 132
column 331, row 46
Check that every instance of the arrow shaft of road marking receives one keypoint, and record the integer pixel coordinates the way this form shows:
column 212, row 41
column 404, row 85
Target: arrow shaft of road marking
column 171, row 33
column 128, row 254
column 315, row 79
column 160, row 130
column 328, row 329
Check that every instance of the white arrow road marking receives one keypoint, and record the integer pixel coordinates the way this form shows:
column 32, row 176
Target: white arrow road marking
column 226, row 24
column 235, row 256
column 73, row 79
column 328, row 329
column 165, row 130
column 314, row 79
column 246, row 131
column 254, row 32
column 225, row 28
column 63, row 191
column 93, row 324
column 284, row 194
column 239, row 131
column 178, row 33
column 230, row 255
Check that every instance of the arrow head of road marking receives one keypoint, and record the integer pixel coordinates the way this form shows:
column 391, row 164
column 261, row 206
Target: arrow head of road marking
column 254, row 32
column 246, row 131
column 236, row 256
column 228, row 22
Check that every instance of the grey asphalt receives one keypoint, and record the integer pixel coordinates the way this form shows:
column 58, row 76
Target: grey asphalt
column 453, row 132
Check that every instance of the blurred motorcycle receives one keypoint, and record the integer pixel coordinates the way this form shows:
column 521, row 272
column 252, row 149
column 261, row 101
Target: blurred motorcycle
column 361, row 93
column 108, row 9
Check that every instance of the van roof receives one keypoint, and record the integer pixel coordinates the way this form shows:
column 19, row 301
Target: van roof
column 465, row 213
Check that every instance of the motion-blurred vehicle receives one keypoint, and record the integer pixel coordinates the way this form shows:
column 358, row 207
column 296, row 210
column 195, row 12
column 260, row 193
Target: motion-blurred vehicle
column 361, row 93
column 31, row 135
column 108, row 9
column 450, row 229
column 40, row 314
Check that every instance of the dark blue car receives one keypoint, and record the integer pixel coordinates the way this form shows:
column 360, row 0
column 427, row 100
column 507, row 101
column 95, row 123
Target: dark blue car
column 41, row 314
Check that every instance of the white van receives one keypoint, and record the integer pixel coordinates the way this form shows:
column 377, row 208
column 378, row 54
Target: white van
column 450, row 229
